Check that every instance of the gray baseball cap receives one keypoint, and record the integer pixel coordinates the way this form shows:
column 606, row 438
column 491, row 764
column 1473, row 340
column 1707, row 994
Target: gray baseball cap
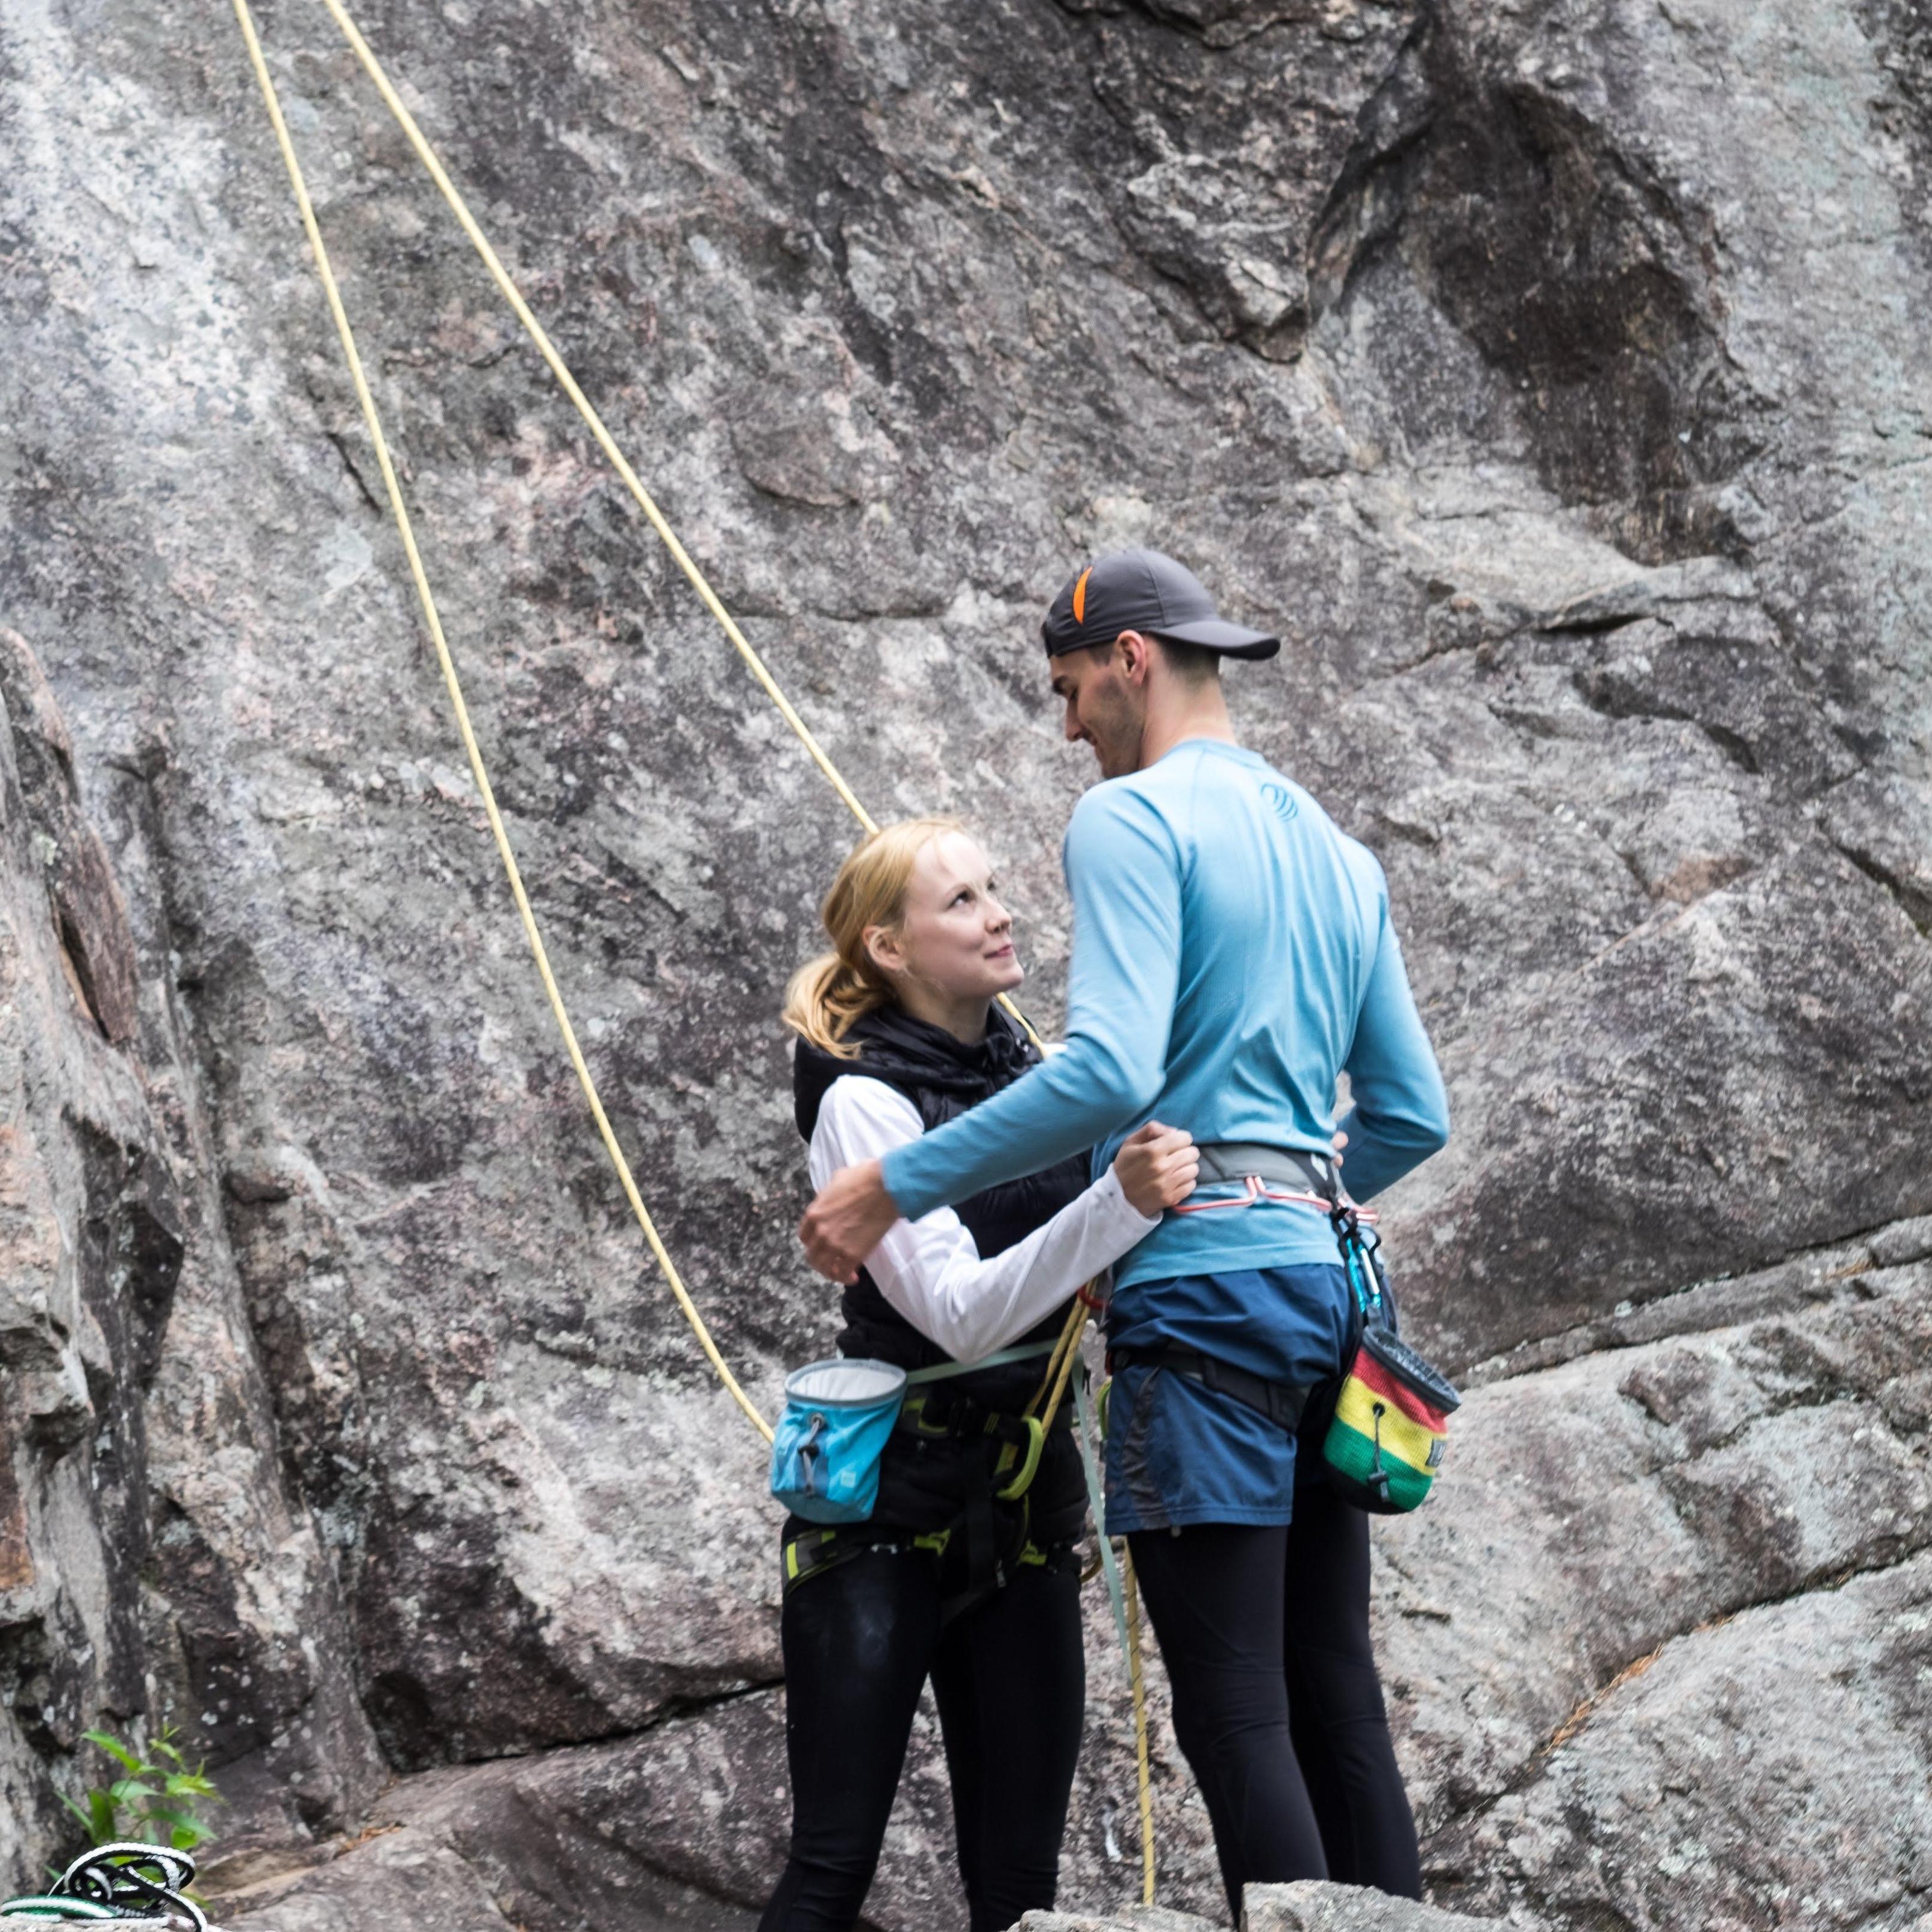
column 1142, row 590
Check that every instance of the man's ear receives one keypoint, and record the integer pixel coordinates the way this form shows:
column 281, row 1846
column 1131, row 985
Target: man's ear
column 1134, row 654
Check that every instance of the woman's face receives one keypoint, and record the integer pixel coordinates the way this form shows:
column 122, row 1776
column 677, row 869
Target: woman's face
column 955, row 938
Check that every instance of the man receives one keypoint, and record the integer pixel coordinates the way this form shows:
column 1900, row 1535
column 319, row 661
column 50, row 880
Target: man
column 1232, row 954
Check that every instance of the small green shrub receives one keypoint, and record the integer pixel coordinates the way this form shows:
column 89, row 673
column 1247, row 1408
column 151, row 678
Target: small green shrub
column 159, row 1802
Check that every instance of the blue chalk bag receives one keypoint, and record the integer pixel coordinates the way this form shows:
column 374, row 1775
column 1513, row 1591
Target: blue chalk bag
column 825, row 1454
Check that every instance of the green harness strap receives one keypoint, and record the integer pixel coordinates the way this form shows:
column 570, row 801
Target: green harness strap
column 812, row 1551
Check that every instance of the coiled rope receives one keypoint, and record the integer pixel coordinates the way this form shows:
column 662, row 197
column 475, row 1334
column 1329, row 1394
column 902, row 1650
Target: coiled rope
column 125, row 1880
column 1061, row 1364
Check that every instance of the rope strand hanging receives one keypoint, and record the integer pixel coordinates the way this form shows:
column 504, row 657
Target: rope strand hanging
column 454, row 685
column 1062, row 1362
column 605, row 441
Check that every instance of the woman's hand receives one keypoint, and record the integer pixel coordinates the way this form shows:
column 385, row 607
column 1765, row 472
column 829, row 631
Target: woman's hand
column 1156, row 1168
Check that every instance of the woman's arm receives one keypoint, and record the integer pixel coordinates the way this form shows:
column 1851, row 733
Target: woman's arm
column 931, row 1270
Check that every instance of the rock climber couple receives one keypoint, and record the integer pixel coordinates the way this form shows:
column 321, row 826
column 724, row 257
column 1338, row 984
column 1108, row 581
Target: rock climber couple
column 1233, row 954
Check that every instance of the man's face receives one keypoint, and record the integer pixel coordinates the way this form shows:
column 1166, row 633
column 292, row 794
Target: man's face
column 1104, row 692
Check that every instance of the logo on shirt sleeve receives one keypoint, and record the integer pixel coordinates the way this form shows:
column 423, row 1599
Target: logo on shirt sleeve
column 1281, row 800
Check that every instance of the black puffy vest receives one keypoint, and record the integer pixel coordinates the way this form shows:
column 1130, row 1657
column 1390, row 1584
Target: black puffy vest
column 923, row 1483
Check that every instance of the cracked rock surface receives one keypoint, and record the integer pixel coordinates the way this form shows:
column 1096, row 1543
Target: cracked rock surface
column 1551, row 373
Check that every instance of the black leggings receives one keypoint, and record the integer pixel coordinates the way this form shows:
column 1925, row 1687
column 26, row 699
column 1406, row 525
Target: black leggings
column 1265, row 1632
column 1010, row 1678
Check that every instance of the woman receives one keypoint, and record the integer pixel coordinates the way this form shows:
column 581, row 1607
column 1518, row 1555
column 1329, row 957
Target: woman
column 950, row 1578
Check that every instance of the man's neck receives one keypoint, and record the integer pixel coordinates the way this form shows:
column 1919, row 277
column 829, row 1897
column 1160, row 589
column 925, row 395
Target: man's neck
column 1180, row 713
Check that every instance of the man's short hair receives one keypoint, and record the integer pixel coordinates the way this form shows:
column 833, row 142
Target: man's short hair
column 1191, row 663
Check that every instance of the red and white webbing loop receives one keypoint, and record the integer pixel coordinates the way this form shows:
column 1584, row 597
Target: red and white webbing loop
column 1258, row 1191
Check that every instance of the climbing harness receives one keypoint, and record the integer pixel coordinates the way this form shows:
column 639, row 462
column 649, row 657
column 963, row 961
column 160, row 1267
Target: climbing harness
column 1269, row 1174
column 826, row 1467
column 1054, row 1387
column 1281, row 1402
column 120, row 1881
column 1263, row 1174
column 813, row 1552
column 1389, row 1427
column 962, row 1419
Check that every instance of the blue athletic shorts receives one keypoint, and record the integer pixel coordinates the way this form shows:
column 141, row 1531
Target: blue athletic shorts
column 1178, row 1453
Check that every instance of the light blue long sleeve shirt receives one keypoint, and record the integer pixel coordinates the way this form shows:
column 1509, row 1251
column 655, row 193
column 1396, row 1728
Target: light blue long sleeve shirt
column 1232, row 953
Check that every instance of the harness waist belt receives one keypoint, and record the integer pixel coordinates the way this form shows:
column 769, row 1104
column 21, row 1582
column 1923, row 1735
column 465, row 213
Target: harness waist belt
column 1235, row 1160
column 1281, row 1402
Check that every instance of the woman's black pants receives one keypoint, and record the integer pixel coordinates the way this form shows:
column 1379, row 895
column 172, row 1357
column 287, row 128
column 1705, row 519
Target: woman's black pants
column 1008, row 1676
column 1265, row 1632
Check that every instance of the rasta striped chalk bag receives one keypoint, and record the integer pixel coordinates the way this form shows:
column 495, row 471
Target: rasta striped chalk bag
column 1391, row 1425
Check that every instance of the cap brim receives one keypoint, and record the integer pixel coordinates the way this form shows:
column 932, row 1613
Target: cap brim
column 1211, row 633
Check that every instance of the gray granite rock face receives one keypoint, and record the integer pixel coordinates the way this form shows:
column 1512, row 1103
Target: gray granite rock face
column 1551, row 374
column 152, row 1557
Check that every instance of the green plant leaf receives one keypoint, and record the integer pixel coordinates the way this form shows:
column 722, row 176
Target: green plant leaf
column 184, row 1830
column 160, row 1798
column 116, row 1749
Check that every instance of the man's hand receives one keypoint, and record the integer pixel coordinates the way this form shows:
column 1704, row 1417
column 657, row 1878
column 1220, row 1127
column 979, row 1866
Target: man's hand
column 846, row 1220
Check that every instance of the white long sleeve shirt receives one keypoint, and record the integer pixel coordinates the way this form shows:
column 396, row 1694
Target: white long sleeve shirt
column 932, row 1271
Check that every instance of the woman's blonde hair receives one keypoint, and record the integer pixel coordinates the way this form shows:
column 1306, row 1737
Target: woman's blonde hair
column 828, row 993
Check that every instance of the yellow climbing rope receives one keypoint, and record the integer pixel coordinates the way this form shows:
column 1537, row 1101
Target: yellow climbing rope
column 455, row 687
column 605, row 441
column 1060, row 1363
column 1137, row 1681
column 1053, row 1389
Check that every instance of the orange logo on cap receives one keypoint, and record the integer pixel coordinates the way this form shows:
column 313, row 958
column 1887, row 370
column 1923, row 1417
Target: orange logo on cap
column 1080, row 596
